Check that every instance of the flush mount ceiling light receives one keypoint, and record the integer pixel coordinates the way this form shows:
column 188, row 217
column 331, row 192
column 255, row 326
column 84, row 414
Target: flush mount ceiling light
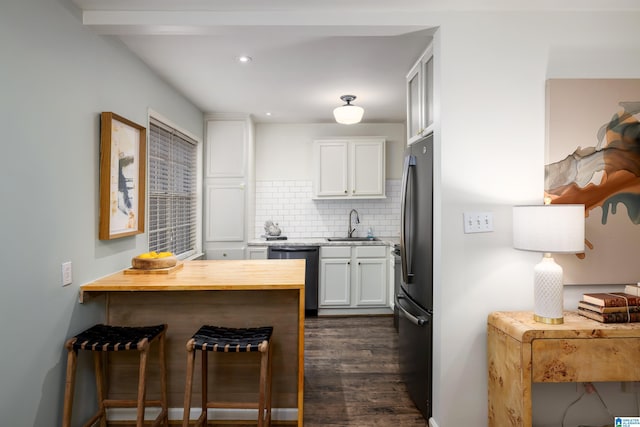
column 244, row 59
column 348, row 114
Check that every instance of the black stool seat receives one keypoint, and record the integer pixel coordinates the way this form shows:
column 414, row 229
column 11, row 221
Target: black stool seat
column 229, row 340
column 221, row 339
column 101, row 339
column 115, row 338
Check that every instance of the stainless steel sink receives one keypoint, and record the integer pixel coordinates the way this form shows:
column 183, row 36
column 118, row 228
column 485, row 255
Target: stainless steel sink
column 352, row 239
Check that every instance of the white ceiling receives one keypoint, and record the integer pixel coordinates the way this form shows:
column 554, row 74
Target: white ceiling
column 298, row 71
column 298, row 77
column 306, row 53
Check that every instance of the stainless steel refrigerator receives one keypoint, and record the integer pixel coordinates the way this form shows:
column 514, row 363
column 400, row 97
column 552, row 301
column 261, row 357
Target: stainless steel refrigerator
column 414, row 299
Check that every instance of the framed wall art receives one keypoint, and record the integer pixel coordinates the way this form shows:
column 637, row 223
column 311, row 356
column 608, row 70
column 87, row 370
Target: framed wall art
column 122, row 177
column 593, row 158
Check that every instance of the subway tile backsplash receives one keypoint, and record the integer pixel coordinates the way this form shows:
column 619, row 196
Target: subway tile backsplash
column 289, row 204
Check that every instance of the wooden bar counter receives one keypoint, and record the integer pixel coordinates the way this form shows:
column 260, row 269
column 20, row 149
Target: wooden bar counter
column 522, row 351
column 234, row 293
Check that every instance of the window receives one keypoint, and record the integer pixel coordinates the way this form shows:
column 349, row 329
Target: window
column 172, row 190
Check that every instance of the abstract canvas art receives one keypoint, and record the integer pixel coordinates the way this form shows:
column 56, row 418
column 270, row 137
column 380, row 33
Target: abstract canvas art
column 122, row 177
column 593, row 158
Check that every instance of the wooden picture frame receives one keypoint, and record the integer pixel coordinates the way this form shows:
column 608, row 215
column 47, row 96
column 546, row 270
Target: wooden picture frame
column 122, row 176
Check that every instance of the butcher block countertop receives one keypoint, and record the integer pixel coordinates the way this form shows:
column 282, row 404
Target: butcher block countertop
column 234, row 293
column 209, row 275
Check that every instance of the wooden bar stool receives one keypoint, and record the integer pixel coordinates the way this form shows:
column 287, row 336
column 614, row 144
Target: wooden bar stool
column 230, row 340
column 101, row 339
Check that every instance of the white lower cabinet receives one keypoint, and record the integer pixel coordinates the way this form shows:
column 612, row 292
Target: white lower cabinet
column 353, row 276
column 256, row 252
column 371, row 283
column 335, row 282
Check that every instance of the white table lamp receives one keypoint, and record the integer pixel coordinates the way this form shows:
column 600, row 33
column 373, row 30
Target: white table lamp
column 548, row 229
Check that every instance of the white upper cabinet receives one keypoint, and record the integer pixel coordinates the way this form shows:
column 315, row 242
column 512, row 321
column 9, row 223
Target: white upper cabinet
column 226, row 149
column 225, row 212
column 331, row 174
column 420, row 97
column 349, row 168
column 367, row 173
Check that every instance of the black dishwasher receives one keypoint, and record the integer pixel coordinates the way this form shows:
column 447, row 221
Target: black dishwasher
column 311, row 255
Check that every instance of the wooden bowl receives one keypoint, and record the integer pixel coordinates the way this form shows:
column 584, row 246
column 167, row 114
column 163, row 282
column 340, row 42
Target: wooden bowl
column 153, row 263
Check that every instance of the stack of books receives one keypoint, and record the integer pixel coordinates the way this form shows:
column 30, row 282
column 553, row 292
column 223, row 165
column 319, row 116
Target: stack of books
column 610, row 307
column 632, row 289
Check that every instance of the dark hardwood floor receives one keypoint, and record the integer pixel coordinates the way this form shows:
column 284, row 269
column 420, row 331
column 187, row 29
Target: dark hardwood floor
column 351, row 376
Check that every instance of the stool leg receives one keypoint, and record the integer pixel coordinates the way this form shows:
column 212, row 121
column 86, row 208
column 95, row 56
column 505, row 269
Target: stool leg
column 191, row 355
column 205, row 391
column 269, row 384
column 163, row 381
column 72, row 358
column 100, row 389
column 264, row 363
column 142, row 386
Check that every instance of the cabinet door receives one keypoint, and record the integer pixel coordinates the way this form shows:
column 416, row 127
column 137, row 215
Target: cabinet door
column 335, row 282
column 367, row 171
column 226, row 149
column 225, row 212
column 256, row 252
column 427, row 91
column 331, row 168
column 371, row 282
column 420, row 99
column 414, row 103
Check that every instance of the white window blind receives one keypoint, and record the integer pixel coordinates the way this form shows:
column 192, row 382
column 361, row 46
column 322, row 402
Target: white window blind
column 172, row 186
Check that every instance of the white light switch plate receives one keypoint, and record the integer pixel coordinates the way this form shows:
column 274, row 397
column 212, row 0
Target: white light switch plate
column 478, row 222
column 67, row 273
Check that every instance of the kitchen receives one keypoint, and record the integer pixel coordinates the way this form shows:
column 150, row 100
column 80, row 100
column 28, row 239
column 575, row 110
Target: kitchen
column 309, row 218
column 259, row 168
column 494, row 66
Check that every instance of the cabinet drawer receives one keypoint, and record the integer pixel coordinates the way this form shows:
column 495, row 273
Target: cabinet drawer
column 230, row 253
column 371, row 251
column 583, row 360
column 335, row 252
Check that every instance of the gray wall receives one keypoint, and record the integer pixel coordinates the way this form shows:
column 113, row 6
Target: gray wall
column 55, row 79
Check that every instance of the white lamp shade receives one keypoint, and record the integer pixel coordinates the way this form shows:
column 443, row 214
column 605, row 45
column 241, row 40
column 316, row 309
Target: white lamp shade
column 549, row 228
column 348, row 114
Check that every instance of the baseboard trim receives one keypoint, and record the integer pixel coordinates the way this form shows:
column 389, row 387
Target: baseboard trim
column 219, row 414
column 386, row 311
column 432, row 423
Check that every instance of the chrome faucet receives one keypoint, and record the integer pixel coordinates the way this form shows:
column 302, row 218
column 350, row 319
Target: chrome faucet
column 351, row 230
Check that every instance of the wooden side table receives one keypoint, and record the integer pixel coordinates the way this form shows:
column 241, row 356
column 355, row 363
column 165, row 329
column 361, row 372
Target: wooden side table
column 521, row 351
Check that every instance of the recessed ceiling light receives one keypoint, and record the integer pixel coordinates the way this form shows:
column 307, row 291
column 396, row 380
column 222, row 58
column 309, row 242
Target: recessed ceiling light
column 268, row 113
column 244, row 59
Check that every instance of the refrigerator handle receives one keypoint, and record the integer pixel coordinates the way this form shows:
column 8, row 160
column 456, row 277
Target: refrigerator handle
column 409, row 162
column 414, row 319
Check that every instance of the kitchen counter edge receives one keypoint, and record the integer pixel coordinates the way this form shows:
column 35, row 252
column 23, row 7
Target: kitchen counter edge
column 322, row 241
